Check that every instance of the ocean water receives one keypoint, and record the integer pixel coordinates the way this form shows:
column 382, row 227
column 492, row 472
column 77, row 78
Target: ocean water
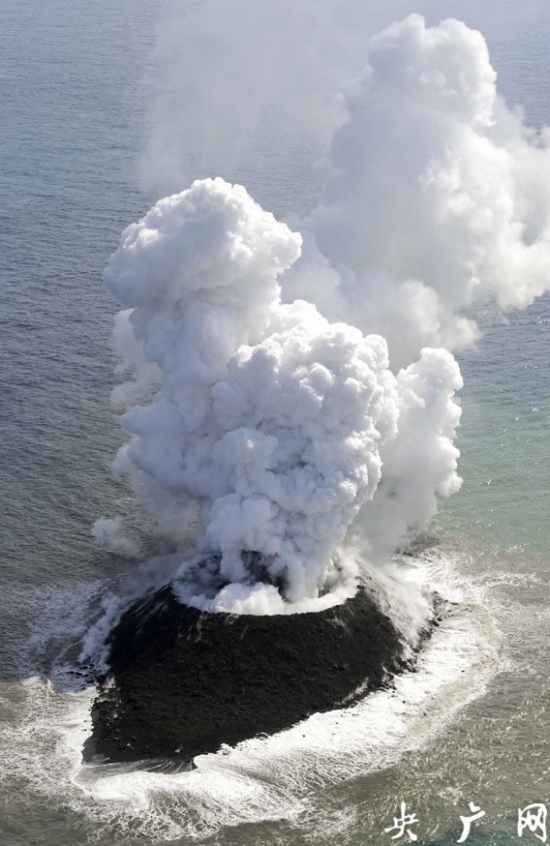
column 472, row 725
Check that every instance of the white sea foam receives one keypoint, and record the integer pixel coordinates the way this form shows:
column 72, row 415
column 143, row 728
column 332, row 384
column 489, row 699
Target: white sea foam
column 263, row 778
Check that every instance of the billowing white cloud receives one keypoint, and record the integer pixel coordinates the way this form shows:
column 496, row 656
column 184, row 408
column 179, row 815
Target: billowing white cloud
column 270, row 416
column 436, row 195
column 301, row 385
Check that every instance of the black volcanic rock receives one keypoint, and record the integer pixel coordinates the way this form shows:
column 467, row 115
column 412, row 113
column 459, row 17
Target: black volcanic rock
column 184, row 682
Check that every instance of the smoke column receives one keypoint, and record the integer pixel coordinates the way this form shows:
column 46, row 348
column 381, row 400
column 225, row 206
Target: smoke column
column 303, row 383
column 226, row 69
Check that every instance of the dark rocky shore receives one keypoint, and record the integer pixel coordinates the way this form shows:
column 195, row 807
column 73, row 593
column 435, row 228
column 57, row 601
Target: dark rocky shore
column 184, row 682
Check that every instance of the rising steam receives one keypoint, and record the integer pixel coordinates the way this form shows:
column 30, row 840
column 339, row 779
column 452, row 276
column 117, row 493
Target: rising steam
column 276, row 405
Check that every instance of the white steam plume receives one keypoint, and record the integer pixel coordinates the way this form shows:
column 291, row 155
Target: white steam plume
column 271, row 417
column 436, row 197
column 289, row 428
column 226, row 69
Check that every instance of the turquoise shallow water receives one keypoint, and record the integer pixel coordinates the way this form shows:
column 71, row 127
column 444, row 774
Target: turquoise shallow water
column 77, row 88
column 504, row 435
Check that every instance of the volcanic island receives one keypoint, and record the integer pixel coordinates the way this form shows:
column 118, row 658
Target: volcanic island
column 185, row 682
